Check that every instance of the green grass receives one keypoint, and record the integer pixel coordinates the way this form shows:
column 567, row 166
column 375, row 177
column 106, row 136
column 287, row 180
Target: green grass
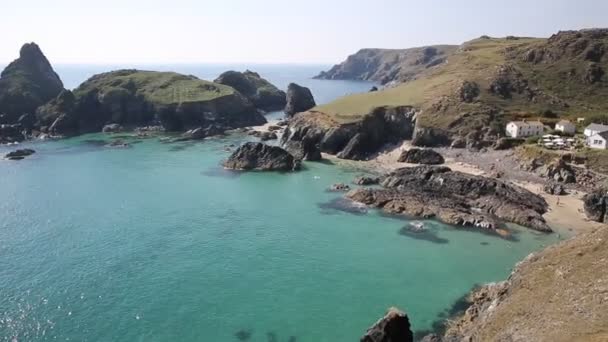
column 157, row 87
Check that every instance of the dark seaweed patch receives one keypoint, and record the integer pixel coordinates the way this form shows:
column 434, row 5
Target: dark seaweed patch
column 342, row 204
column 425, row 235
column 243, row 335
column 484, row 243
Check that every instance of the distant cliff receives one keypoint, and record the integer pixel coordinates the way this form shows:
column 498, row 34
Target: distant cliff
column 388, row 65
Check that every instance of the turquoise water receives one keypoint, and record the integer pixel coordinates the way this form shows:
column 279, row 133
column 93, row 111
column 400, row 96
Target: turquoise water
column 156, row 243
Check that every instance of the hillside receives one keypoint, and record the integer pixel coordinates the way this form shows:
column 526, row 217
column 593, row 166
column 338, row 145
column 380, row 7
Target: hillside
column 487, row 81
column 388, row 65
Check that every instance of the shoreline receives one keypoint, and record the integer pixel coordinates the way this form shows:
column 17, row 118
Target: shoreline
column 566, row 218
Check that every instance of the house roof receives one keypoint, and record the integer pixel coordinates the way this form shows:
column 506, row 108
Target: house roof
column 597, row 127
column 530, row 123
column 603, row 134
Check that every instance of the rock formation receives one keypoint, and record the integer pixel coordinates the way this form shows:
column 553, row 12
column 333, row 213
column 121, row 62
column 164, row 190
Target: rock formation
column 393, row 327
column 299, row 99
column 27, row 83
column 455, row 198
column 11, row 133
column 421, row 156
column 595, row 204
column 19, row 154
column 261, row 157
column 258, row 90
column 364, row 180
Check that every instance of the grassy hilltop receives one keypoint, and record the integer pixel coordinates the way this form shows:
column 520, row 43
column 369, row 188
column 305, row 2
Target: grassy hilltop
column 488, row 81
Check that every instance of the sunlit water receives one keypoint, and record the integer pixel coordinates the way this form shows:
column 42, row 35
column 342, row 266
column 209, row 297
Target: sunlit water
column 158, row 243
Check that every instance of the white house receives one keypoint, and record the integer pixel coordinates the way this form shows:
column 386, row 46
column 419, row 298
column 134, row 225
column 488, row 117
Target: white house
column 598, row 140
column 594, row 129
column 522, row 129
column 565, row 126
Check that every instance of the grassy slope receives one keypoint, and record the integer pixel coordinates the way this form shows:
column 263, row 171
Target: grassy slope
column 478, row 61
column 159, row 87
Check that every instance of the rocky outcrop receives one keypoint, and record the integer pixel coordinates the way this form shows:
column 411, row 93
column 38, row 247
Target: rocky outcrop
column 393, row 327
column 201, row 133
column 364, row 180
column 263, row 94
column 430, row 137
column 455, row 198
column 559, row 171
column 19, row 154
column 556, row 189
column 339, row 187
column 553, row 295
column 299, row 99
column 468, row 91
column 261, row 157
column 421, row 156
column 137, row 98
column 11, row 133
column 355, row 141
column 112, row 128
column 595, row 204
column 386, row 65
column 27, row 83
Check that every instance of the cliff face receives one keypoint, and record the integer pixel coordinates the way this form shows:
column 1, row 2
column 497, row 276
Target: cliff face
column 27, row 83
column 263, row 94
column 559, row 294
column 385, row 65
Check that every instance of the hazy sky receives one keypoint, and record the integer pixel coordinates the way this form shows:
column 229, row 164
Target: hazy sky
column 270, row 31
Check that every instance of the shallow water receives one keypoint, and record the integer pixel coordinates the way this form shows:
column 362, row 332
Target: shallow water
column 155, row 243
column 159, row 243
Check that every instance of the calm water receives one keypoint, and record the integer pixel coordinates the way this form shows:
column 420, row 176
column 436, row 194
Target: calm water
column 157, row 243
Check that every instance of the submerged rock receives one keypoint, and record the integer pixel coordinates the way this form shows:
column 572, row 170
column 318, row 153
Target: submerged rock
column 19, row 154
column 421, row 156
column 261, row 157
column 299, row 99
column 339, row 187
column 393, row 327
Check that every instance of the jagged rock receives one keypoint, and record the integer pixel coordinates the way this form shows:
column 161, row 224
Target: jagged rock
column 258, row 90
column 261, row 157
column 19, row 154
column 339, row 187
column 429, row 137
column 364, row 180
column 508, row 80
column 393, row 327
column 421, row 156
column 595, row 205
column 593, row 73
column 468, row 91
column 373, row 89
column 458, row 143
column 559, row 171
column 455, row 198
column 11, row 133
column 200, row 133
column 112, row 128
column 557, row 189
column 265, row 136
column 299, row 99
column 27, row 83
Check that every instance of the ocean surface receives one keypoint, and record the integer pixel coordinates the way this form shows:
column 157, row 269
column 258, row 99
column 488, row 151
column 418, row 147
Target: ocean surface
column 158, row 243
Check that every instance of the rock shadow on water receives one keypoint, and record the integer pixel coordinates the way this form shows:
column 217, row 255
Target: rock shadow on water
column 243, row 334
column 342, row 205
column 424, row 234
column 440, row 325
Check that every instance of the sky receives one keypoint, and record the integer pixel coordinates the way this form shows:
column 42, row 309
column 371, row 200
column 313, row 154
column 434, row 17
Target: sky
column 270, row 31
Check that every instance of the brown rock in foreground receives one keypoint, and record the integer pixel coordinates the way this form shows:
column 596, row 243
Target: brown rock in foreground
column 393, row 327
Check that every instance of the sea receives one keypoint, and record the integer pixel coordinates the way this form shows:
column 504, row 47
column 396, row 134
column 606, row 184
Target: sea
column 158, row 243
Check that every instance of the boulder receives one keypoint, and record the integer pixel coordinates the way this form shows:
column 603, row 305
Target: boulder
column 558, row 171
column 112, row 128
column 261, row 157
column 256, row 89
column 299, row 99
column 393, row 327
column 421, row 156
column 373, row 89
column 27, row 83
column 19, row 154
column 200, row 133
column 364, row 180
column 339, row 187
column 468, row 91
column 595, row 204
column 263, row 135
column 553, row 188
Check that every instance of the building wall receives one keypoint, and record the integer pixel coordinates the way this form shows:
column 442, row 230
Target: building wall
column 596, row 141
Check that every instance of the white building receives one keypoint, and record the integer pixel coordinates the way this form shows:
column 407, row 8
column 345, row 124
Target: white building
column 522, row 129
column 598, row 140
column 566, row 127
column 594, row 129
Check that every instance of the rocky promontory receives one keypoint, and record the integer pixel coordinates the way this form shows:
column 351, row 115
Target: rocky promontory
column 261, row 157
column 393, row 327
column 263, row 94
column 350, row 140
column 299, row 99
column 455, row 198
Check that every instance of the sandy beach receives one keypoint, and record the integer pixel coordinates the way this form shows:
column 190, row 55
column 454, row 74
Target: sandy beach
column 567, row 217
